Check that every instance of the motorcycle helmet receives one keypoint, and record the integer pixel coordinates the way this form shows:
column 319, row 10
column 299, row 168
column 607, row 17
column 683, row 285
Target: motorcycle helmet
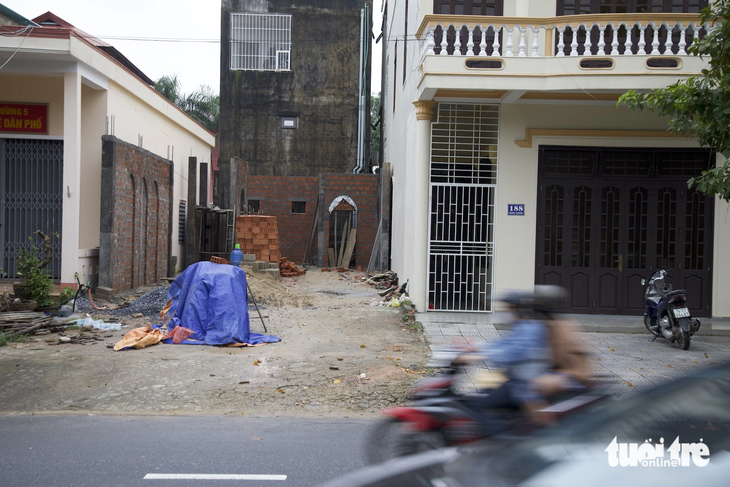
column 519, row 301
column 549, row 298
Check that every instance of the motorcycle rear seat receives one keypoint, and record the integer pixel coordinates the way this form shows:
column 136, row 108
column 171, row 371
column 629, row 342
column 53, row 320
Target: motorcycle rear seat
column 674, row 293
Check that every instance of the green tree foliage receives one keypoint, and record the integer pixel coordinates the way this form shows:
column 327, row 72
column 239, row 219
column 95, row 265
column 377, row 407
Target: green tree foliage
column 202, row 105
column 700, row 105
column 375, row 101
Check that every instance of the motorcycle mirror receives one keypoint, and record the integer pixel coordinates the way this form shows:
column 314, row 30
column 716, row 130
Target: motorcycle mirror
column 643, row 282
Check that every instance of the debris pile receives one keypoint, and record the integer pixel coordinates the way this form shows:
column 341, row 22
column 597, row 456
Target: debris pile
column 27, row 322
column 387, row 282
column 148, row 304
column 288, row 269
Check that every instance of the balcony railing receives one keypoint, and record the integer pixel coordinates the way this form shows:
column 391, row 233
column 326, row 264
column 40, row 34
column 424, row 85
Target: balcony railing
column 574, row 35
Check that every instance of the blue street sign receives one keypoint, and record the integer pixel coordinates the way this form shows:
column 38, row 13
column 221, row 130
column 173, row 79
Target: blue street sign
column 516, row 210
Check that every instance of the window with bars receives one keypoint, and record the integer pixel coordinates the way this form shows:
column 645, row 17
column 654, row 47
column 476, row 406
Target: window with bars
column 469, row 7
column 577, row 7
column 260, row 42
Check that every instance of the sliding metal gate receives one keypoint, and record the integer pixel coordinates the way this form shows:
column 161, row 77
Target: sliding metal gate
column 31, row 198
column 461, row 225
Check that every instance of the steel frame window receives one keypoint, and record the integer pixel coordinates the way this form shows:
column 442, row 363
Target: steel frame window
column 260, row 42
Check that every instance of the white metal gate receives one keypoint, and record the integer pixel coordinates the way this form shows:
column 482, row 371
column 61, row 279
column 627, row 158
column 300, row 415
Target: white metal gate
column 461, row 224
column 31, row 198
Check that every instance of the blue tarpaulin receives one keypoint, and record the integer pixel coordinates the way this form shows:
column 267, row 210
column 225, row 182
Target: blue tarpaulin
column 211, row 300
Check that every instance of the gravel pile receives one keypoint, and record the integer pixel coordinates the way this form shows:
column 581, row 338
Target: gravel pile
column 148, row 304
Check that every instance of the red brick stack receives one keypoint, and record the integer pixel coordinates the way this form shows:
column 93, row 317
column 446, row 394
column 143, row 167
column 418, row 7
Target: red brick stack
column 258, row 235
column 288, row 269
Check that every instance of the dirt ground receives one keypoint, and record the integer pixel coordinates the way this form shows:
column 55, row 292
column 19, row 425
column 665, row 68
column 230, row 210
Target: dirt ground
column 339, row 355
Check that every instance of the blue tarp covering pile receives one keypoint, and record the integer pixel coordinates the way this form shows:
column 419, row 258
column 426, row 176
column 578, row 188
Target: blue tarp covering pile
column 211, row 300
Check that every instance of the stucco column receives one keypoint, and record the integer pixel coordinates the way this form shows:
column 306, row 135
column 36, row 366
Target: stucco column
column 420, row 177
column 71, row 176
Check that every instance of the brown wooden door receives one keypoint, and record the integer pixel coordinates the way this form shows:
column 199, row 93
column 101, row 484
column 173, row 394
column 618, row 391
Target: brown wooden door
column 608, row 218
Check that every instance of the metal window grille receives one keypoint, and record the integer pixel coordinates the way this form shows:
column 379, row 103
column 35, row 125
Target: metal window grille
column 181, row 223
column 261, row 42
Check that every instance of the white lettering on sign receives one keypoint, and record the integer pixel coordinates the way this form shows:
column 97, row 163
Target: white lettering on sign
column 653, row 455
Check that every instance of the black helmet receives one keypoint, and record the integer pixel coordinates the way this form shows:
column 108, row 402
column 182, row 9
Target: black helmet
column 520, row 300
column 548, row 298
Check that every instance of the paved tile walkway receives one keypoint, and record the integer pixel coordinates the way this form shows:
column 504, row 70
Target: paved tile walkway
column 631, row 358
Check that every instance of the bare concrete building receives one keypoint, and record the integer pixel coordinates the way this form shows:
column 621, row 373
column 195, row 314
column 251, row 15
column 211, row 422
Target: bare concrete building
column 295, row 96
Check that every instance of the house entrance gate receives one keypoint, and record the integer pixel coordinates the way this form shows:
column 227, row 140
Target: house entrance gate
column 608, row 218
column 463, row 179
column 31, row 198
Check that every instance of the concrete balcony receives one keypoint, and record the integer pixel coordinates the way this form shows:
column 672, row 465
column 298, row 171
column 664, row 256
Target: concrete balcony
column 595, row 53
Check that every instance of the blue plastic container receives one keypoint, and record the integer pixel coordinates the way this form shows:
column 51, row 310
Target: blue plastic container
column 236, row 256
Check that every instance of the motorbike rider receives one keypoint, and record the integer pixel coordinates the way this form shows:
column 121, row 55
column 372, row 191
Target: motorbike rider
column 541, row 356
column 524, row 353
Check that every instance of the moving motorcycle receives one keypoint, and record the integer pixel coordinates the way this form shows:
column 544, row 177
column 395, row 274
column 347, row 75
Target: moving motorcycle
column 667, row 314
column 441, row 417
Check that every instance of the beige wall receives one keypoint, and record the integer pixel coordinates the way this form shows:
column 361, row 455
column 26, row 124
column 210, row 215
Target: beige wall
column 36, row 89
column 93, row 126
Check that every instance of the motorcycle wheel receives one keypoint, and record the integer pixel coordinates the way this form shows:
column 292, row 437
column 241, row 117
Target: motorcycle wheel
column 684, row 340
column 392, row 438
column 647, row 324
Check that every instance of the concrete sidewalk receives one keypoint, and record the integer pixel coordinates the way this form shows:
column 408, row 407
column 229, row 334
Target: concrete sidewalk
column 588, row 323
column 620, row 346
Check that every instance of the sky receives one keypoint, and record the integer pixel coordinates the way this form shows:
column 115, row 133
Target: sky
column 142, row 30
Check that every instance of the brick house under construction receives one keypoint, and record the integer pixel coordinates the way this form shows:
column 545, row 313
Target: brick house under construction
column 295, row 123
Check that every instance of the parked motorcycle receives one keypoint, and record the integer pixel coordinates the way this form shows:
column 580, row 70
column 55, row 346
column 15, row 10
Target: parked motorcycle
column 667, row 314
column 441, row 417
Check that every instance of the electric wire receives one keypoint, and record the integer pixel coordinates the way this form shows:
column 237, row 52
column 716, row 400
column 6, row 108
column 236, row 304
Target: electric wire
column 17, row 48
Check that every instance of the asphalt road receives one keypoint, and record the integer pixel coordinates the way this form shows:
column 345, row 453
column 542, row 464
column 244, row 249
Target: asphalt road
column 163, row 451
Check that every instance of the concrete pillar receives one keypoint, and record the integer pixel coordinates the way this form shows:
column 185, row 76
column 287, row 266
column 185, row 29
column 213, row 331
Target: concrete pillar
column 203, row 200
column 71, row 176
column 191, row 205
column 418, row 173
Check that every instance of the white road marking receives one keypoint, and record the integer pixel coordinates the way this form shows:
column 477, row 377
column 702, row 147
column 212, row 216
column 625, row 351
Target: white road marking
column 203, row 476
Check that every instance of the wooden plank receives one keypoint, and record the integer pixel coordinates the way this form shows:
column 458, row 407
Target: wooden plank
column 312, row 233
column 342, row 242
column 350, row 247
column 331, row 255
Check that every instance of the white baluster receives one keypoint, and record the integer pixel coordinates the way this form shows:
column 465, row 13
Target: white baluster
column 588, row 44
column 535, row 33
column 614, row 42
column 431, row 43
column 601, row 40
column 523, row 42
column 670, row 41
column 561, row 42
column 442, row 44
column 628, row 44
column 483, row 43
column 682, row 41
column 509, row 45
column 496, row 46
column 470, row 44
column 457, row 41
column 655, row 40
column 642, row 42
column 574, row 42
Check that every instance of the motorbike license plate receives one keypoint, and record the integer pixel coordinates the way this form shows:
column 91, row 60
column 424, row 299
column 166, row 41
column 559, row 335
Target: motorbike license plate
column 681, row 313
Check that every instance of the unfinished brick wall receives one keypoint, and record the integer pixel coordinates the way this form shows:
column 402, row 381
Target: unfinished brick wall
column 276, row 194
column 136, row 212
column 362, row 189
